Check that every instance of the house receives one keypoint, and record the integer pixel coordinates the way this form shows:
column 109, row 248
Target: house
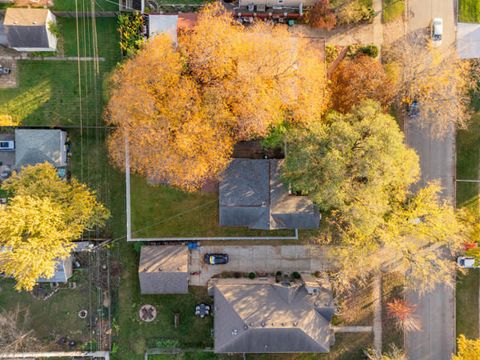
column 271, row 318
column 163, row 269
column 63, row 272
column 30, row 29
column 34, row 146
column 279, row 10
column 252, row 195
column 170, row 24
column 63, row 269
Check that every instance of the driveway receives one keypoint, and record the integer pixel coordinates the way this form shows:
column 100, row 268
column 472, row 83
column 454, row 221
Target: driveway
column 436, row 309
column 259, row 259
column 468, row 40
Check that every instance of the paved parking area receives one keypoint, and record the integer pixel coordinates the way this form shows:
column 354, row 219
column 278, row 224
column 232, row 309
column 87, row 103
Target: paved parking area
column 468, row 40
column 258, row 258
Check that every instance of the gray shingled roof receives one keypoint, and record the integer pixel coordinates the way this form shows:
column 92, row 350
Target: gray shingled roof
column 163, row 270
column 270, row 319
column 253, row 195
column 63, row 271
column 26, row 28
column 34, row 146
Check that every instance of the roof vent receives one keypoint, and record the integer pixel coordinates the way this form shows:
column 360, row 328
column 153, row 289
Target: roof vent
column 234, row 332
column 295, row 323
column 160, row 269
column 251, row 324
column 263, row 323
column 264, row 204
column 34, row 22
column 245, row 327
column 283, row 324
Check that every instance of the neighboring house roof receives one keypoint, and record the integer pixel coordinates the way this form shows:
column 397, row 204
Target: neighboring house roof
column 34, row 146
column 163, row 24
column 163, row 269
column 63, row 271
column 253, row 195
column 27, row 28
column 187, row 21
column 271, row 319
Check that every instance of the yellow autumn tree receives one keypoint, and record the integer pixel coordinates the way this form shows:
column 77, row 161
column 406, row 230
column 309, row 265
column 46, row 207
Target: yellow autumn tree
column 467, row 349
column 182, row 108
column 40, row 221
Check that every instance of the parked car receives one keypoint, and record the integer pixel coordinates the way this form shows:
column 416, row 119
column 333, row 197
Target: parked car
column 413, row 109
column 4, row 70
column 216, row 259
column 437, row 31
column 7, row 145
column 467, row 262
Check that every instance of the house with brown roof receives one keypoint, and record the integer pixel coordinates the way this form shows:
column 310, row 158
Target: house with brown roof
column 30, row 29
column 163, row 269
column 272, row 318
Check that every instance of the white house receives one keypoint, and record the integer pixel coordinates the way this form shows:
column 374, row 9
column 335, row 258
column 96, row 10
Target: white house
column 30, row 29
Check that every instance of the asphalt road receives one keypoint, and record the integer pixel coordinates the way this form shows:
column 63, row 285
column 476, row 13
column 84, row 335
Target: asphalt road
column 436, row 309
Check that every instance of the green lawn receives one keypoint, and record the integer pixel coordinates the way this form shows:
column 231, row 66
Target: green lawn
column 134, row 336
column 467, row 304
column 161, row 211
column 106, row 32
column 49, row 94
column 469, row 11
column 52, row 318
column 392, row 9
column 468, row 162
column 85, row 5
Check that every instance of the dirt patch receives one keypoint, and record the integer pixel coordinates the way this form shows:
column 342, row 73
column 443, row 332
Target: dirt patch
column 9, row 80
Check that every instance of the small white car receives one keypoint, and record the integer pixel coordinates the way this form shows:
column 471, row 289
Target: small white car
column 437, row 31
column 7, row 145
column 467, row 262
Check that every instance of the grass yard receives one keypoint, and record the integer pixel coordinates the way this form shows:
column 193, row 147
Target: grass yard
column 392, row 288
column 467, row 293
column 355, row 308
column 49, row 93
column 85, row 5
column 468, row 162
column 161, row 211
column 52, row 318
column 107, row 37
column 134, row 336
column 469, row 11
column 392, row 10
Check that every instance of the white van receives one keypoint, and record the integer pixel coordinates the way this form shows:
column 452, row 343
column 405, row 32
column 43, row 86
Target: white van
column 437, row 31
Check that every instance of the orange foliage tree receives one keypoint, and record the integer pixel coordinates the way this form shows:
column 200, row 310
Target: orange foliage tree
column 183, row 108
column 321, row 16
column 358, row 79
column 403, row 314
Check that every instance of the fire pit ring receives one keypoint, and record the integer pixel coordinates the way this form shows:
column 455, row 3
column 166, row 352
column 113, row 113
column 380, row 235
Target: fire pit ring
column 147, row 313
